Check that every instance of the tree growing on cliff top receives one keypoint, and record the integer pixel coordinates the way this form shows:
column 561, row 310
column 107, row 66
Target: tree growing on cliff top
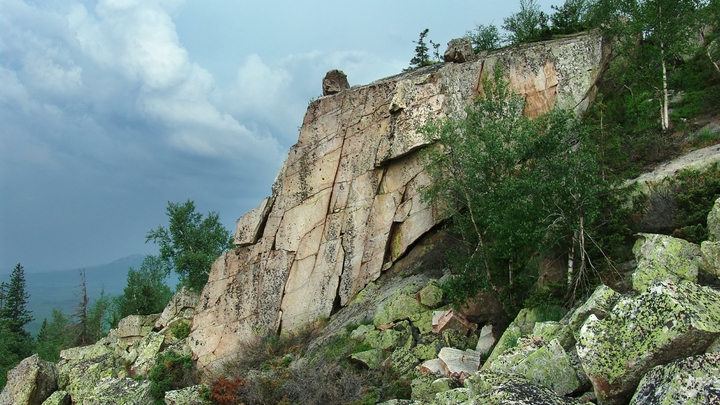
column 422, row 53
column 515, row 188
column 190, row 244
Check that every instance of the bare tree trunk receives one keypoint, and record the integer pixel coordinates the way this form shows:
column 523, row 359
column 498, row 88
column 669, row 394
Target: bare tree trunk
column 707, row 51
column 664, row 114
column 571, row 262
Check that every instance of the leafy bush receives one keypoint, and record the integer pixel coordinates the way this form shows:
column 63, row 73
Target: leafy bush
column 172, row 371
column 181, row 330
column 679, row 205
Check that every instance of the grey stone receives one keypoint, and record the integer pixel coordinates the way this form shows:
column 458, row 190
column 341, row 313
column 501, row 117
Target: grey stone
column 334, row 82
column 690, row 381
column 31, row 382
column 459, row 50
column 662, row 257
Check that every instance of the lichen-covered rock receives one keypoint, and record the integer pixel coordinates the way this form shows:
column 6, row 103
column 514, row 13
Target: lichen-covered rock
column 459, row 362
column 711, row 256
column 713, row 222
column 490, row 388
column 431, row 296
column 187, row 396
column 602, row 300
column 80, row 369
column 423, row 321
column 427, row 351
column 31, row 382
column 182, row 305
column 125, row 391
column 135, row 327
column 667, row 322
column 57, row 398
column 147, row 349
column 403, row 307
column 402, row 361
column 368, row 358
column 690, row 381
column 543, row 364
column 451, row 397
column 662, row 257
column 421, row 388
column 523, row 325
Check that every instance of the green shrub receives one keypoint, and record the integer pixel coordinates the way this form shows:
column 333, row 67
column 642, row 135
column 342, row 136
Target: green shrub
column 172, row 371
column 181, row 330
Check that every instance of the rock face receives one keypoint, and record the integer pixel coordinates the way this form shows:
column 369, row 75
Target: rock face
column 346, row 206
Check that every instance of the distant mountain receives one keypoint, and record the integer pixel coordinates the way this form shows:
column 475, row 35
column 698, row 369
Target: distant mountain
column 61, row 288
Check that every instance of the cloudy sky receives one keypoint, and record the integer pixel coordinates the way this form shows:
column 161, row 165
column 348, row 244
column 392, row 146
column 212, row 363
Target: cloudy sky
column 109, row 109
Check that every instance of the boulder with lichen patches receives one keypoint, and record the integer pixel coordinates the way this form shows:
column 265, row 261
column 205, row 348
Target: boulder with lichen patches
column 192, row 395
column 662, row 257
column 600, row 303
column 523, row 325
column 30, row 382
column 401, row 308
column 690, row 381
column 711, row 257
column 488, row 387
column 58, row 398
column 667, row 322
column 542, row 363
column 124, row 391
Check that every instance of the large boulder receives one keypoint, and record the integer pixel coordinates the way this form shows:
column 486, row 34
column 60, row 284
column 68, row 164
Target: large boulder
column 667, row 322
column 80, row 369
column 662, row 257
column 487, row 387
column 403, row 307
column 58, row 398
column 523, row 325
column 124, row 391
column 459, row 50
column 31, row 382
column 334, row 82
column 691, row 381
column 545, row 364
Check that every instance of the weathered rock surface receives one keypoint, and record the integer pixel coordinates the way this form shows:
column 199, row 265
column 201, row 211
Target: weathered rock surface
column 181, row 307
column 58, row 398
column 346, row 206
column 665, row 323
column 334, row 82
column 662, row 257
column 459, row 50
column 713, row 221
column 691, row 381
column 457, row 361
column 125, row 391
column 486, row 387
column 186, row 396
column 29, row 383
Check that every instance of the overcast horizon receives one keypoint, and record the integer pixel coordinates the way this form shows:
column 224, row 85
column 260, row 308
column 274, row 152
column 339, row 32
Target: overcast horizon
column 110, row 109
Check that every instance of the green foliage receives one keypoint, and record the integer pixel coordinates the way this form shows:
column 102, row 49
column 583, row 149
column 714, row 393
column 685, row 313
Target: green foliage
column 181, row 330
column 172, row 371
column 528, row 25
column 146, row 292
column 14, row 314
column 53, row 336
column 679, row 205
column 485, row 38
column 515, row 187
column 571, row 17
column 15, row 341
column 422, row 53
column 190, row 244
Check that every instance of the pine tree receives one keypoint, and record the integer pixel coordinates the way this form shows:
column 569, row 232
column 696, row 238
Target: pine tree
column 14, row 314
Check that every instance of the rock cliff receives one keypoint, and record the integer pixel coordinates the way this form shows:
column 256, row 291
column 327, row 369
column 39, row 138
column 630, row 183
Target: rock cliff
column 345, row 205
